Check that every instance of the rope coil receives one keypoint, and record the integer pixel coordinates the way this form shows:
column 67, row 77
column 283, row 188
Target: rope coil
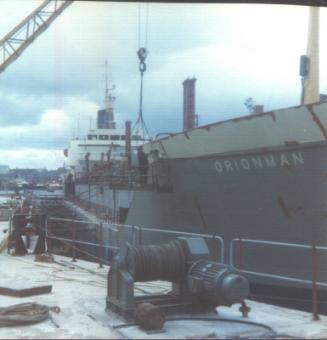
column 25, row 313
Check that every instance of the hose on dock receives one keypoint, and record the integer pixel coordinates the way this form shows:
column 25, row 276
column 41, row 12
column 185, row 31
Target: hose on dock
column 25, row 313
column 270, row 334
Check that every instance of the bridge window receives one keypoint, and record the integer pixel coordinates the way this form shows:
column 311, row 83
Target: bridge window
column 103, row 137
column 114, row 137
column 136, row 137
column 92, row 137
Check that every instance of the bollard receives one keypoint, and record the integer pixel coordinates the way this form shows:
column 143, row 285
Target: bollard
column 315, row 315
column 244, row 309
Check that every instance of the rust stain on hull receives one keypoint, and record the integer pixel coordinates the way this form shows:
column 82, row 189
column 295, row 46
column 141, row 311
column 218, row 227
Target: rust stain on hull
column 289, row 211
column 186, row 135
column 317, row 120
column 286, row 211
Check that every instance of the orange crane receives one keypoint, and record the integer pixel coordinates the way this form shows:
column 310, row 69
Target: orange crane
column 15, row 42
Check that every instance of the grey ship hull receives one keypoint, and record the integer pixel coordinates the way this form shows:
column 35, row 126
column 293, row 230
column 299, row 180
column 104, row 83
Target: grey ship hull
column 277, row 195
column 272, row 188
column 279, row 203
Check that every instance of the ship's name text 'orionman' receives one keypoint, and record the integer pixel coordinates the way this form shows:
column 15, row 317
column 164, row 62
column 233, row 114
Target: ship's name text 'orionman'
column 259, row 162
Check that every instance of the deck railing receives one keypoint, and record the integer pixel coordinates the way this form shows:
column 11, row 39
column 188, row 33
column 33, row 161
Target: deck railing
column 136, row 236
column 312, row 248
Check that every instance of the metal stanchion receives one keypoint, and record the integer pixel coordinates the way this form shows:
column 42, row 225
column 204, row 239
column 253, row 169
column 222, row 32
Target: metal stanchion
column 240, row 255
column 100, row 249
column 73, row 233
column 315, row 315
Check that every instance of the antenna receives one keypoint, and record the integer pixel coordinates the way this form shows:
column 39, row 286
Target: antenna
column 78, row 125
column 106, row 92
column 108, row 101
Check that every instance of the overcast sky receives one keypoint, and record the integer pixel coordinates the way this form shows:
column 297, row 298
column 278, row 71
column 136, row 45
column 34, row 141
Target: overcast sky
column 235, row 51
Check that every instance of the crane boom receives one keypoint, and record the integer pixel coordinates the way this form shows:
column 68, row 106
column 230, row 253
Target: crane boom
column 15, row 42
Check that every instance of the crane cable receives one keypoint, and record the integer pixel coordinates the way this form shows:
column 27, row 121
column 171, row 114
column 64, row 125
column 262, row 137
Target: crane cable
column 146, row 25
column 142, row 54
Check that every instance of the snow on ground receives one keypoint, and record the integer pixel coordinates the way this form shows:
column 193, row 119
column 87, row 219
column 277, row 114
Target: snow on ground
column 80, row 290
column 80, row 296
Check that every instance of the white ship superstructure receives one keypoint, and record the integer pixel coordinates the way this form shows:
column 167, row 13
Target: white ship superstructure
column 103, row 144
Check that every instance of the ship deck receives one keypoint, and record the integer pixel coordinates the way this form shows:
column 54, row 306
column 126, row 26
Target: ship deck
column 79, row 289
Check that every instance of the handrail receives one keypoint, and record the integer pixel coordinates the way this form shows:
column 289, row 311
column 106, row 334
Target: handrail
column 175, row 232
column 71, row 220
column 81, row 242
column 314, row 283
column 283, row 244
column 137, row 232
column 280, row 277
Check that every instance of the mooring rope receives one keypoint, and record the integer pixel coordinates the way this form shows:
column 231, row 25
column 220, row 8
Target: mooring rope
column 25, row 313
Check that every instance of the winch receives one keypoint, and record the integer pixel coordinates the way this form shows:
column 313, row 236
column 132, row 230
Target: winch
column 199, row 285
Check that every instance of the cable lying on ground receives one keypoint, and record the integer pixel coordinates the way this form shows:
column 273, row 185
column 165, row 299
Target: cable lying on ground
column 25, row 313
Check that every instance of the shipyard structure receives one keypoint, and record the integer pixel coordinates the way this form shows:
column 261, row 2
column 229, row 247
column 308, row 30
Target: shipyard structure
column 259, row 177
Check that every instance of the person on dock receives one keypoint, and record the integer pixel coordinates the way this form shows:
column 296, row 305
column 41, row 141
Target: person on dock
column 143, row 165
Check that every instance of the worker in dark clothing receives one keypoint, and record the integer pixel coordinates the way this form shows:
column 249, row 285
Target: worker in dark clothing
column 143, row 165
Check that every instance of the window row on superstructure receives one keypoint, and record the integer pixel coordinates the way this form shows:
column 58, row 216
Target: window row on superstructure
column 112, row 137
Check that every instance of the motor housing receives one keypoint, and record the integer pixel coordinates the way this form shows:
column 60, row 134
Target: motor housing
column 216, row 284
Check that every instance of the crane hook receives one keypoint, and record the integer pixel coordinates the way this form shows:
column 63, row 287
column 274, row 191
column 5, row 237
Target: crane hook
column 142, row 54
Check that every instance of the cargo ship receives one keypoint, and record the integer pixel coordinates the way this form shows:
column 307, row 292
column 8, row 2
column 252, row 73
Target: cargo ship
column 257, row 181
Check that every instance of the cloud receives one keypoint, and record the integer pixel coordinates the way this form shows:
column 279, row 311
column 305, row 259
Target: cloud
column 54, row 128
column 234, row 51
column 32, row 158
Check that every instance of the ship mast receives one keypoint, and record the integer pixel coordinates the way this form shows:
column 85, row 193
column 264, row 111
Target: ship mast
column 108, row 101
column 310, row 79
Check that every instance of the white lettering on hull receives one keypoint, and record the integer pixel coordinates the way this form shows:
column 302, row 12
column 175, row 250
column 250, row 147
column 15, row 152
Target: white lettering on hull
column 259, row 162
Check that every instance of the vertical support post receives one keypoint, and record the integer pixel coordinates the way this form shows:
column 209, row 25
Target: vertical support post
column 140, row 236
column 46, row 234
column 114, row 207
column 117, row 238
column 240, row 255
column 134, row 237
column 214, row 238
column 221, row 252
column 101, row 249
column 49, row 237
column 244, row 309
column 128, row 143
column 9, row 236
column 315, row 315
column 73, row 234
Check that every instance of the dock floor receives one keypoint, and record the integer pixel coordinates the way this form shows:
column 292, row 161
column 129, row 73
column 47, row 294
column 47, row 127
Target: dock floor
column 79, row 289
